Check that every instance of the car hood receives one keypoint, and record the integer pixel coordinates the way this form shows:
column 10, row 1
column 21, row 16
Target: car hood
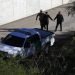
column 9, row 49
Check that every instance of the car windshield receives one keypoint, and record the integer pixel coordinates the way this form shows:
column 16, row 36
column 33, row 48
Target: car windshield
column 13, row 41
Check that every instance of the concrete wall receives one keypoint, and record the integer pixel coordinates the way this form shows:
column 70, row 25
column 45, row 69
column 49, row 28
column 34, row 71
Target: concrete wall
column 11, row 10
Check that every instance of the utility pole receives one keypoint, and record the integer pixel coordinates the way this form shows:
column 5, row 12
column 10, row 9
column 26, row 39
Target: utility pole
column 62, row 2
column 51, row 3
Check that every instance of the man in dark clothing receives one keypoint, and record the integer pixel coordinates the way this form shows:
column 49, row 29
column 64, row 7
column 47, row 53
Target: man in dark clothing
column 41, row 17
column 46, row 19
column 60, row 19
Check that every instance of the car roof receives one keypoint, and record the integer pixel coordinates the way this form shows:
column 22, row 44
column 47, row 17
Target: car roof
column 24, row 32
column 28, row 32
column 44, row 33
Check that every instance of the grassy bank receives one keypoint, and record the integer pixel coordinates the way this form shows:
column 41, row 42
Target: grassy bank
column 58, row 61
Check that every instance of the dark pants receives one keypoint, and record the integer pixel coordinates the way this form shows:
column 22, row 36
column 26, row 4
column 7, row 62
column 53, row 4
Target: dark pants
column 58, row 25
column 41, row 24
column 46, row 24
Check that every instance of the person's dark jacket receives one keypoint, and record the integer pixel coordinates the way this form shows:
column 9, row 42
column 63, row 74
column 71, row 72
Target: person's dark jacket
column 46, row 18
column 41, row 16
column 59, row 18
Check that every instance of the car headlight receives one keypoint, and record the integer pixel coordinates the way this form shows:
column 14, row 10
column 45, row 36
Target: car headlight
column 52, row 40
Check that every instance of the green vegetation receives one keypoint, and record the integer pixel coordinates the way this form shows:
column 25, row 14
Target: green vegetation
column 58, row 61
column 71, row 9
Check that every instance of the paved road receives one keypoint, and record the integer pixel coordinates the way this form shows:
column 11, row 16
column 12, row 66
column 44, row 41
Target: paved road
column 30, row 22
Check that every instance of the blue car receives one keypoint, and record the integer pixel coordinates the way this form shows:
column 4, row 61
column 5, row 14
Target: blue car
column 26, row 41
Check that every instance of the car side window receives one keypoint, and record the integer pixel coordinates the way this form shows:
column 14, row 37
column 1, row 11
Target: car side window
column 35, row 38
column 27, row 44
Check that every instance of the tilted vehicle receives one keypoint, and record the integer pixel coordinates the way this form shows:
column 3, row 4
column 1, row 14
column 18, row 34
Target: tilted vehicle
column 26, row 41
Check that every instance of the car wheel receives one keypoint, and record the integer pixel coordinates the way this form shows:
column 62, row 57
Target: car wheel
column 47, row 46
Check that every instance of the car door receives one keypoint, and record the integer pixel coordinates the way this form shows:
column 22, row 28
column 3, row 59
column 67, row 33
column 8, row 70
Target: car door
column 36, row 43
column 29, row 47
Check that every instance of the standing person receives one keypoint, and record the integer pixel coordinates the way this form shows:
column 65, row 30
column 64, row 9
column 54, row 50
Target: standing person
column 60, row 19
column 46, row 19
column 41, row 17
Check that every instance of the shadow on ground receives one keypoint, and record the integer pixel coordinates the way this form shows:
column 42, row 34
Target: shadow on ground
column 8, row 29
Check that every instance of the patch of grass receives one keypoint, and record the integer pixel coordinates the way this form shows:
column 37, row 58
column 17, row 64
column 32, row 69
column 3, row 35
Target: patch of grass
column 58, row 61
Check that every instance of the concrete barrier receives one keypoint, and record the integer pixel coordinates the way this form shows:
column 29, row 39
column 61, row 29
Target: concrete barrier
column 11, row 10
